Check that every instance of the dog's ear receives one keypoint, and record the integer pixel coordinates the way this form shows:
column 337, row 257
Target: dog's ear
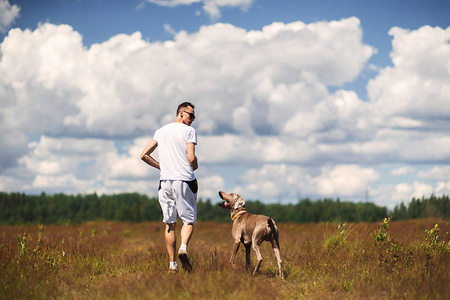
column 240, row 202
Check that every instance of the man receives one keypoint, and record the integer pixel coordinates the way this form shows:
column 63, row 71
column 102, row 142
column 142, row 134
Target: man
column 178, row 186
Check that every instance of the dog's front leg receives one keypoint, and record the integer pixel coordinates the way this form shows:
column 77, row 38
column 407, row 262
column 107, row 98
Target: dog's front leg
column 248, row 249
column 234, row 252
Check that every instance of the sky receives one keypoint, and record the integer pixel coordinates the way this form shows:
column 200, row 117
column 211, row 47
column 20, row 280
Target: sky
column 294, row 99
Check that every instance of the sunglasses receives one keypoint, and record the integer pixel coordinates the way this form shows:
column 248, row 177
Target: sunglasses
column 191, row 115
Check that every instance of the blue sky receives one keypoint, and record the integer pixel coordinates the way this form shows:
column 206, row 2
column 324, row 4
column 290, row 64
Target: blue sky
column 294, row 98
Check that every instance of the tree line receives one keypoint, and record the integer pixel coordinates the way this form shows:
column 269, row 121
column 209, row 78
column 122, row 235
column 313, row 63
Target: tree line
column 20, row 208
column 433, row 207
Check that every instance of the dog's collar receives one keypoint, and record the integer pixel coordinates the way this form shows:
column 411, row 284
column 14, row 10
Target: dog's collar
column 239, row 213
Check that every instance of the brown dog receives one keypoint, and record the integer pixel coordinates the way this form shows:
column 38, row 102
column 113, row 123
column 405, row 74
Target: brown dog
column 251, row 230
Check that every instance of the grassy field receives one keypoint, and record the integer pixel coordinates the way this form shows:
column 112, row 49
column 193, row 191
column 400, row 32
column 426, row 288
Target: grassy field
column 390, row 260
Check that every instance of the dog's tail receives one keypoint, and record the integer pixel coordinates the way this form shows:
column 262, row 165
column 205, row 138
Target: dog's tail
column 274, row 231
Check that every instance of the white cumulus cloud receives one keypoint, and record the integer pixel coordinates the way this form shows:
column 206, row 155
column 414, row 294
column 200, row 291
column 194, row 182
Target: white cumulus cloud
column 403, row 171
column 345, row 180
column 8, row 13
column 413, row 94
column 79, row 116
column 211, row 7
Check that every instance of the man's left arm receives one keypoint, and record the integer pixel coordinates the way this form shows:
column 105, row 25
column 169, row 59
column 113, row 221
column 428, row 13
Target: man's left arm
column 145, row 155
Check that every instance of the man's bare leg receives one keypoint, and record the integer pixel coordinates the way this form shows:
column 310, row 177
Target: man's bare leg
column 186, row 234
column 171, row 241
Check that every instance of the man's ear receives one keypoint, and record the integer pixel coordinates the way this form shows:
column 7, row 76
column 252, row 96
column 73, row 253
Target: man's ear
column 239, row 203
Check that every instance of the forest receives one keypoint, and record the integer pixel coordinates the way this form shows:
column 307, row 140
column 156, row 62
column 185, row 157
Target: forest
column 20, row 208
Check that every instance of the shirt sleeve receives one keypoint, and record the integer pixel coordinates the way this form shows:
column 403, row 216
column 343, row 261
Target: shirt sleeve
column 156, row 135
column 191, row 136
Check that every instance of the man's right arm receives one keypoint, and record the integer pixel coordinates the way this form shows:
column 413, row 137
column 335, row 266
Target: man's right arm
column 190, row 147
column 145, row 155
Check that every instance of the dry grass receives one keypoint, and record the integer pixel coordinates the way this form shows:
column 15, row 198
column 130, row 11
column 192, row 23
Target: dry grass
column 128, row 261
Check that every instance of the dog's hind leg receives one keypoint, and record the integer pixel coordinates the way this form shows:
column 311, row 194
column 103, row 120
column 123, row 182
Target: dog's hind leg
column 258, row 257
column 276, row 250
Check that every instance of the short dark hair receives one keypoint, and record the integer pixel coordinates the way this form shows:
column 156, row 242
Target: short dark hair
column 183, row 105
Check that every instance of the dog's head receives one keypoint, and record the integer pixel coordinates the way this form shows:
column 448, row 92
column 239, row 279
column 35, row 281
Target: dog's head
column 232, row 201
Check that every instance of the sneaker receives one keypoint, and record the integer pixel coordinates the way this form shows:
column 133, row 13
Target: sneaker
column 184, row 258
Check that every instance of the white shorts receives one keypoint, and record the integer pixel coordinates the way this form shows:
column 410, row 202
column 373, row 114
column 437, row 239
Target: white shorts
column 177, row 197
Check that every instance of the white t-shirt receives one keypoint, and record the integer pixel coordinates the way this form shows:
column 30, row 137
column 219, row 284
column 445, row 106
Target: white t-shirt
column 172, row 139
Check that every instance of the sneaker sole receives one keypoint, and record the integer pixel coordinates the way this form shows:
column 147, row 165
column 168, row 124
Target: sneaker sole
column 185, row 263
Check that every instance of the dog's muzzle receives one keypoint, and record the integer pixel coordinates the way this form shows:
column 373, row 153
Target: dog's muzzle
column 225, row 204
